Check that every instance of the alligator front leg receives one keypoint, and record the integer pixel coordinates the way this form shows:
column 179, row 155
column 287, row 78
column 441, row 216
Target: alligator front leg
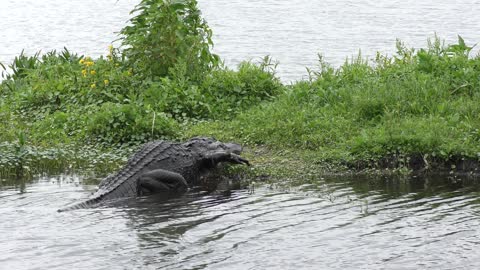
column 158, row 181
column 218, row 157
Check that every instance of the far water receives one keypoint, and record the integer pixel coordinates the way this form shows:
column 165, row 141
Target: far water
column 292, row 32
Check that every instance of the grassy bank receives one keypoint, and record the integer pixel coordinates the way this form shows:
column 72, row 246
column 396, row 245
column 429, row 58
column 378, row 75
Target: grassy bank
column 61, row 109
column 418, row 109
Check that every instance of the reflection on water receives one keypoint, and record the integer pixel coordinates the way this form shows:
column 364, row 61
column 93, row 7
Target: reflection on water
column 332, row 223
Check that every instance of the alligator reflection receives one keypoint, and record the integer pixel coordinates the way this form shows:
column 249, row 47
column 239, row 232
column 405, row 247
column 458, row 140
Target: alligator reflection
column 204, row 228
column 162, row 221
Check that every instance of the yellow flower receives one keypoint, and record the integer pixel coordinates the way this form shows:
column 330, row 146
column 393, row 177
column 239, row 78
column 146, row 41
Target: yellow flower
column 81, row 61
column 93, row 86
column 110, row 48
column 89, row 63
column 106, row 82
column 117, row 64
column 84, row 72
column 93, row 72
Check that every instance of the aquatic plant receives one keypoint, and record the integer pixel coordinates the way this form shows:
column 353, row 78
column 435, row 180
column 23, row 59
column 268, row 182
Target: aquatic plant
column 33, row 160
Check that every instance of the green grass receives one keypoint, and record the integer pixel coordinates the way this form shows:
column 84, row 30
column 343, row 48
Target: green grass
column 158, row 82
column 415, row 109
column 62, row 102
column 418, row 103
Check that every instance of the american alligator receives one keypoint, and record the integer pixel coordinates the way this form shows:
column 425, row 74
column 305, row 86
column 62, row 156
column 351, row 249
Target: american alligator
column 163, row 166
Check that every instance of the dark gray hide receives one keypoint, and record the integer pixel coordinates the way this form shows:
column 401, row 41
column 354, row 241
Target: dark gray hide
column 162, row 166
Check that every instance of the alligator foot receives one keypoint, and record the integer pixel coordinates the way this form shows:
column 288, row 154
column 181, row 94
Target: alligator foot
column 160, row 180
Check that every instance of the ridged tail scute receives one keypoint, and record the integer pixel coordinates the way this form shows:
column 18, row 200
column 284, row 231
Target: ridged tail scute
column 81, row 205
column 150, row 152
column 134, row 164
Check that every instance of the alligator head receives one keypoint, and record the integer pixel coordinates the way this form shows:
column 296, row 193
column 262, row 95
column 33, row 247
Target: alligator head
column 206, row 146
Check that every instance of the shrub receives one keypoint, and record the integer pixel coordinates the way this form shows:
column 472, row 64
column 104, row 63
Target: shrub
column 222, row 94
column 232, row 91
column 129, row 123
column 163, row 33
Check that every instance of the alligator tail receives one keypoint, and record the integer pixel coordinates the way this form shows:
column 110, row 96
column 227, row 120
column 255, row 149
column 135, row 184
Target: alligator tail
column 81, row 205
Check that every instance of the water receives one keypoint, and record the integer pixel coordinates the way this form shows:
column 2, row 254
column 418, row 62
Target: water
column 334, row 223
column 292, row 32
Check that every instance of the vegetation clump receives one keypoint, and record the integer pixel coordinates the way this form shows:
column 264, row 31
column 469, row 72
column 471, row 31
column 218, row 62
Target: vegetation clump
column 416, row 109
column 162, row 78
column 164, row 34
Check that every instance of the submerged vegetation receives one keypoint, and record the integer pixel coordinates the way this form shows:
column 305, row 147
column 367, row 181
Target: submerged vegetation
column 416, row 109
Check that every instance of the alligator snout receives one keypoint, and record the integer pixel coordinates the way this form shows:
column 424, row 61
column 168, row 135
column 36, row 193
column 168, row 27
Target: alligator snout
column 234, row 148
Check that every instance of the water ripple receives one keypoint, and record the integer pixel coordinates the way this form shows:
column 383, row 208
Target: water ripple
column 366, row 226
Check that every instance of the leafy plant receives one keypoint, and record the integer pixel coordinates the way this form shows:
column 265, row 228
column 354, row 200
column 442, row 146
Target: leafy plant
column 21, row 64
column 417, row 103
column 129, row 123
column 164, row 33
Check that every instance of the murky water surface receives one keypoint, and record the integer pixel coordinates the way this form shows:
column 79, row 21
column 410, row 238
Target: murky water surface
column 335, row 223
column 292, row 32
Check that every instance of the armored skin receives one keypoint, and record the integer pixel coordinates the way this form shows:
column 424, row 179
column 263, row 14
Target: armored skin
column 163, row 166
